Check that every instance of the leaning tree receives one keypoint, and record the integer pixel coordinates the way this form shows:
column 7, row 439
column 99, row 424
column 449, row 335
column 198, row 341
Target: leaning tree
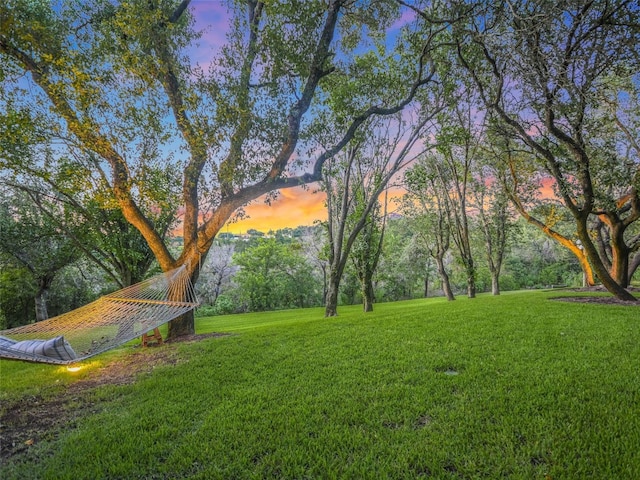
column 543, row 68
column 115, row 81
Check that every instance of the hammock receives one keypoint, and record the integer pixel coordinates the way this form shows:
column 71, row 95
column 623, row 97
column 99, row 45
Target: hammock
column 110, row 321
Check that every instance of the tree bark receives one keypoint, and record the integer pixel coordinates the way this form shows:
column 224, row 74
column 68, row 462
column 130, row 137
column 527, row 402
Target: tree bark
column 633, row 266
column 41, row 302
column 471, row 278
column 444, row 277
column 619, row 253
column 368, row 295
column 183, row 325
column 495, row 283
column 331, row 305
column 426, row 285
column 601, row 271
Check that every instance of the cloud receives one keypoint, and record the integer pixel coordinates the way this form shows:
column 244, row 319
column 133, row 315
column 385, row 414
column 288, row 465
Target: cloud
column 292, row 208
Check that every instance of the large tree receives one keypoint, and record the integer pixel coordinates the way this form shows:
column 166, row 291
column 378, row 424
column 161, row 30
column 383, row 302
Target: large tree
column 275, row 275
column 115, row 80
column 524, row 184
column 542, row 69
column 35, row 242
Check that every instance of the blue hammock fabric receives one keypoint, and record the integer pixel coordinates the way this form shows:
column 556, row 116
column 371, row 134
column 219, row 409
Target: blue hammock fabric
column 51, row 350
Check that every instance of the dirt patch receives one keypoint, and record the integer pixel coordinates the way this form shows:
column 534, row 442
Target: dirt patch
column 601, row 300
column 608, row 300
column 34, row 418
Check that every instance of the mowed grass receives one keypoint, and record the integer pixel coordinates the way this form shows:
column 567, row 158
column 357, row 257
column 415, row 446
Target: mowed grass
column 516, row 386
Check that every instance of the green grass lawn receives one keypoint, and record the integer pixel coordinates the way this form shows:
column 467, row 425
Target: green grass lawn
column 515, row 386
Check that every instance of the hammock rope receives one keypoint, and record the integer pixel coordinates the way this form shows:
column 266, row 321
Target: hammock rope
column 106, row 323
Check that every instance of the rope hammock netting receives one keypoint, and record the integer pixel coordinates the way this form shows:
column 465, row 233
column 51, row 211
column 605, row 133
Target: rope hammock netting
column 106, row 323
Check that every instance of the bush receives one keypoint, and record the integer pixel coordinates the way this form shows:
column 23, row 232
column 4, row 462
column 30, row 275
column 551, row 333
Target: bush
column 225, row 304
column 507, row 282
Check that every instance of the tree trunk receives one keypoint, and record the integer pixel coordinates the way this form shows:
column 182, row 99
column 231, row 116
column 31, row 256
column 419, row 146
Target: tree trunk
column 331, row 305
column 633, row 266
column 185, row 324
column 587, row 271
column 41, row 304
column 446, row 284
column 601, row 271
column 495, row 283
column 620, row 255
column 471, row 279
column 181, row 326
column 368, row 295
column 426, row 285
column 44, row 284
column 324, row 285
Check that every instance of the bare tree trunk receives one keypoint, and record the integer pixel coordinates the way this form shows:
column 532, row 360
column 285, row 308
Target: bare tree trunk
column 368, row 295
column 331, row 304
column 324, row 285
column 601, row 271
column 495, row 283
column 41, row 303
column 183, row 325
column 633, row 266
column 471, row 278
column 42, row 295
column 620, row 255
column 446, row 284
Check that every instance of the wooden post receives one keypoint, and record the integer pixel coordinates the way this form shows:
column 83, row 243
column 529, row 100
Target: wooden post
column 150, row 337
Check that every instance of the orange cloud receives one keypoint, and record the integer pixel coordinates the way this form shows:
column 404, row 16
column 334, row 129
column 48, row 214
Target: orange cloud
column 293, row 207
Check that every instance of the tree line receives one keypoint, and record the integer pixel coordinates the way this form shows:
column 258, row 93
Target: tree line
column 120, row 137
column 289, row 268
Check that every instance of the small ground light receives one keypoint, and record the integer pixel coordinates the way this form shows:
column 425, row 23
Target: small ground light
column 73, row 368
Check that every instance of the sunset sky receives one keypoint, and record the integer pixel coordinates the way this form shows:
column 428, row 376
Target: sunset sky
column 294, row 206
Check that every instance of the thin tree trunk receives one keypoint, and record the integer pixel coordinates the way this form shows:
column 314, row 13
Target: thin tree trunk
column 368, row 295
column 471, row 278
column 446, row 284
column 324, row 285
